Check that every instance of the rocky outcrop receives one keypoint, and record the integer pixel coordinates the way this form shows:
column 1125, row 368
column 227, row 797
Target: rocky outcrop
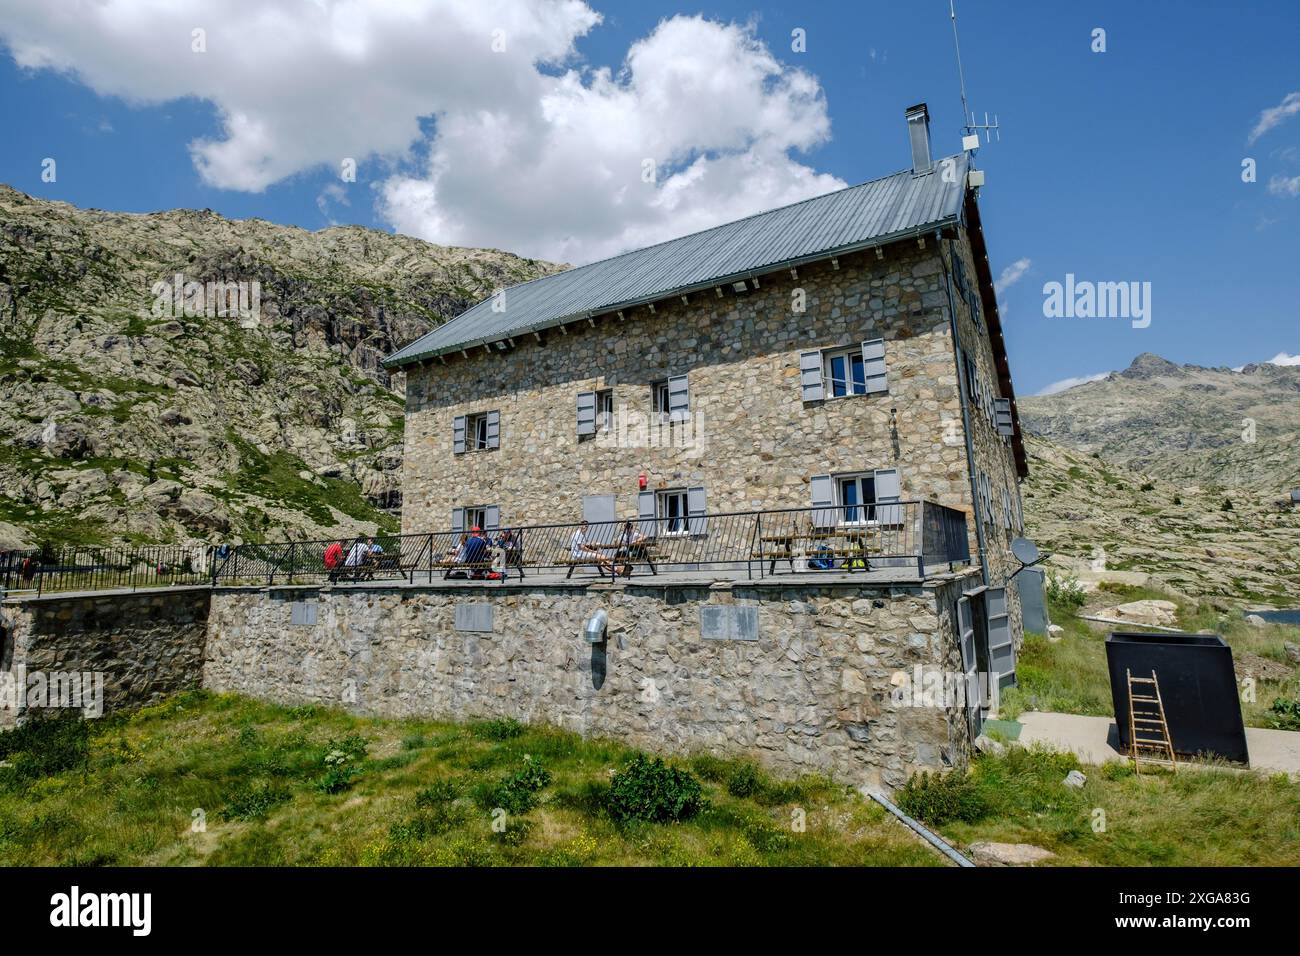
column 134, row 406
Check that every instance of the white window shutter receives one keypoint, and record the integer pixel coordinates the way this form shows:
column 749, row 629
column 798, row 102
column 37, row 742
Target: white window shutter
column 679, row 399
column 586, row 413
column 1005, row 425
column 494, row 429
column 458, row 519
column 810, row 376
column 645, row 508
column 873, row 362
column 824, row 513
column 695, row 510
column 458, row 434
column 888, row 489
column 491, row 517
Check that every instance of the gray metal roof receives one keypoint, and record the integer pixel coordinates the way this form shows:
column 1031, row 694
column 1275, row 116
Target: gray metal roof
column 860, row 216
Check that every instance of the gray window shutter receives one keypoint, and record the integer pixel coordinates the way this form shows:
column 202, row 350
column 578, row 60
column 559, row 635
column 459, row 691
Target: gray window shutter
column 599, row 509
column 1003, row 406
column 824, row 514
column 457, row 519
column 696, row 509
column 458, row 434
column 645, row 508
column 970, row 665
column 810, row 376
column 1002, row 651
column 491, row 517
column 873, row 361
column 679, row 399
column 494, row 429
column 888, row 489
column 586, row 413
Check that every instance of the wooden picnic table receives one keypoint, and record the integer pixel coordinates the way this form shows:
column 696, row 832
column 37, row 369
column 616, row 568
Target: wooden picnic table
column 785, row 550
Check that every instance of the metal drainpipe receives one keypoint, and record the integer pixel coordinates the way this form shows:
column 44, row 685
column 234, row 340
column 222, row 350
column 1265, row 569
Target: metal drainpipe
column 929, row 836
column 965, row 410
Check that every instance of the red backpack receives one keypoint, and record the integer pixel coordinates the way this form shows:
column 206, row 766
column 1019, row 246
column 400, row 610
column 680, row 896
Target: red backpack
column 333, row 555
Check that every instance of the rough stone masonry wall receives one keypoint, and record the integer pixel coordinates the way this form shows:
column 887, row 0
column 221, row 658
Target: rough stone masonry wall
column 812, row 692
column 761, row 441
column 147, row 644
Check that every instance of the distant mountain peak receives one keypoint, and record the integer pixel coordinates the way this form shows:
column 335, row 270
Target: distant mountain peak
column 1150, row 365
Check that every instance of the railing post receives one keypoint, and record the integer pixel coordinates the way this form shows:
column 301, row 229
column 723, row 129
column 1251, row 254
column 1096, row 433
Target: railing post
column 293, row 551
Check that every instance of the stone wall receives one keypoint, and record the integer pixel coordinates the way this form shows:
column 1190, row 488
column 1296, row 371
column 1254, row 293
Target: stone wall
column 147, row 644
column 800, row 678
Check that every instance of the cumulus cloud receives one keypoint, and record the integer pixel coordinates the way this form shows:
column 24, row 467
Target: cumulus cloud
column 1065, row 383
column 483, row 124
column 1275, row 115
column 1011, row 275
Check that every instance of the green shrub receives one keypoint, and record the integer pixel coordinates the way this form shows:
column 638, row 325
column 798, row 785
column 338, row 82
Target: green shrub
column 516, row 792
column 506, row 728
column 254, row 801
column 746, row 781
column 1067, row 593
column 46, row 744
column 341, row 763
column 943, row 798
column 650, row 790
column 1284, row 714
column 437, row 793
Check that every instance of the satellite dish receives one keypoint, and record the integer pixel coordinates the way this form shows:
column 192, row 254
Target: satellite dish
column 1026, row 552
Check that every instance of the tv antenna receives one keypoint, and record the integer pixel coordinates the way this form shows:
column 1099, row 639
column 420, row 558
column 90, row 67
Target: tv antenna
column 971, row 138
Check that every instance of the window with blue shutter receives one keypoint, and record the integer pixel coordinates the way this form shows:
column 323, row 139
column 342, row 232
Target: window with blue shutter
column 458, row 434
column 888, row 489
column 873, row 357
column 458, row 519
column 696, row 510
column 810, row 376
column 493, row 430
column 586, row 413
column 491, row 517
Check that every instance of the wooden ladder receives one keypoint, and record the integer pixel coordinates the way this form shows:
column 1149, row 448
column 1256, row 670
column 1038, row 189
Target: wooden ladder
column 1150, row 722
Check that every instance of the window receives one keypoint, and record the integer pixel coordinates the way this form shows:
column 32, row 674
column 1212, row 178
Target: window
column 605, row 409
column 845, row 372
column 476, row 432
column 670, row 399
column 486, row 517
column 855, row 492
column 595, row 411
column 841, row 372
column 673, row 511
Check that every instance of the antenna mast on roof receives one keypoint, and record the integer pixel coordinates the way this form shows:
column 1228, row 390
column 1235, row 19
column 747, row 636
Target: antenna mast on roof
column 971, row 139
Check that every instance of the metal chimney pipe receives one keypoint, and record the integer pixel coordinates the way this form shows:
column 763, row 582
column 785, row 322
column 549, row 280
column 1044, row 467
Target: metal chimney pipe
column 918, row 132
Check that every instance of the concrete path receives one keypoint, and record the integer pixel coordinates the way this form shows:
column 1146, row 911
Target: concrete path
column 1095, row 740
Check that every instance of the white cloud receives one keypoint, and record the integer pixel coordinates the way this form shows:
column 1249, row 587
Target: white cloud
column 1065, row 383
column 1286, row 186
column 528, row 151
column 1011, row 275
column 1275, row 115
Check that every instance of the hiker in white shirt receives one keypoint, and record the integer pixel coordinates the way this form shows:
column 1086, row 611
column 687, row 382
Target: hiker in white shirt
column 357, row 555
column 582, row 550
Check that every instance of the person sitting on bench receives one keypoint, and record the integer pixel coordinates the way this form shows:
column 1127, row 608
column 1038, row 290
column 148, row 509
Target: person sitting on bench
column 512, row 555
column 580, row 550
column 475, row 552
column 631, row 546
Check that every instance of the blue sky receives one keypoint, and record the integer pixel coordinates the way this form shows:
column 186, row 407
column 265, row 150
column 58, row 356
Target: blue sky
column 1115, row 166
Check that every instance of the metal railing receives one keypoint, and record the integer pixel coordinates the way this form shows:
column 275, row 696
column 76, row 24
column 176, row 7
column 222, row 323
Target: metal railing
column 80, row 568
column 917, row 535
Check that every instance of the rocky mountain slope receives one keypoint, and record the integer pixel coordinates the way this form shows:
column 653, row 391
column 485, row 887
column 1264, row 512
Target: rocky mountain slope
column 1183, row 423
column 131, row 411
column 1154, row 470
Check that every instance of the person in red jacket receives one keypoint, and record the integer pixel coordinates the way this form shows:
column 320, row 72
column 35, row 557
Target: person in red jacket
column 333, row 559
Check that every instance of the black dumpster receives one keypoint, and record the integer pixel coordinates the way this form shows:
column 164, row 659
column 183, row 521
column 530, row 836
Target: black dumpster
column 1197, row 684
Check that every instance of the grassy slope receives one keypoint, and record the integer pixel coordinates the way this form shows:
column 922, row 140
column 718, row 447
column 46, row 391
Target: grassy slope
column 254, row 769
